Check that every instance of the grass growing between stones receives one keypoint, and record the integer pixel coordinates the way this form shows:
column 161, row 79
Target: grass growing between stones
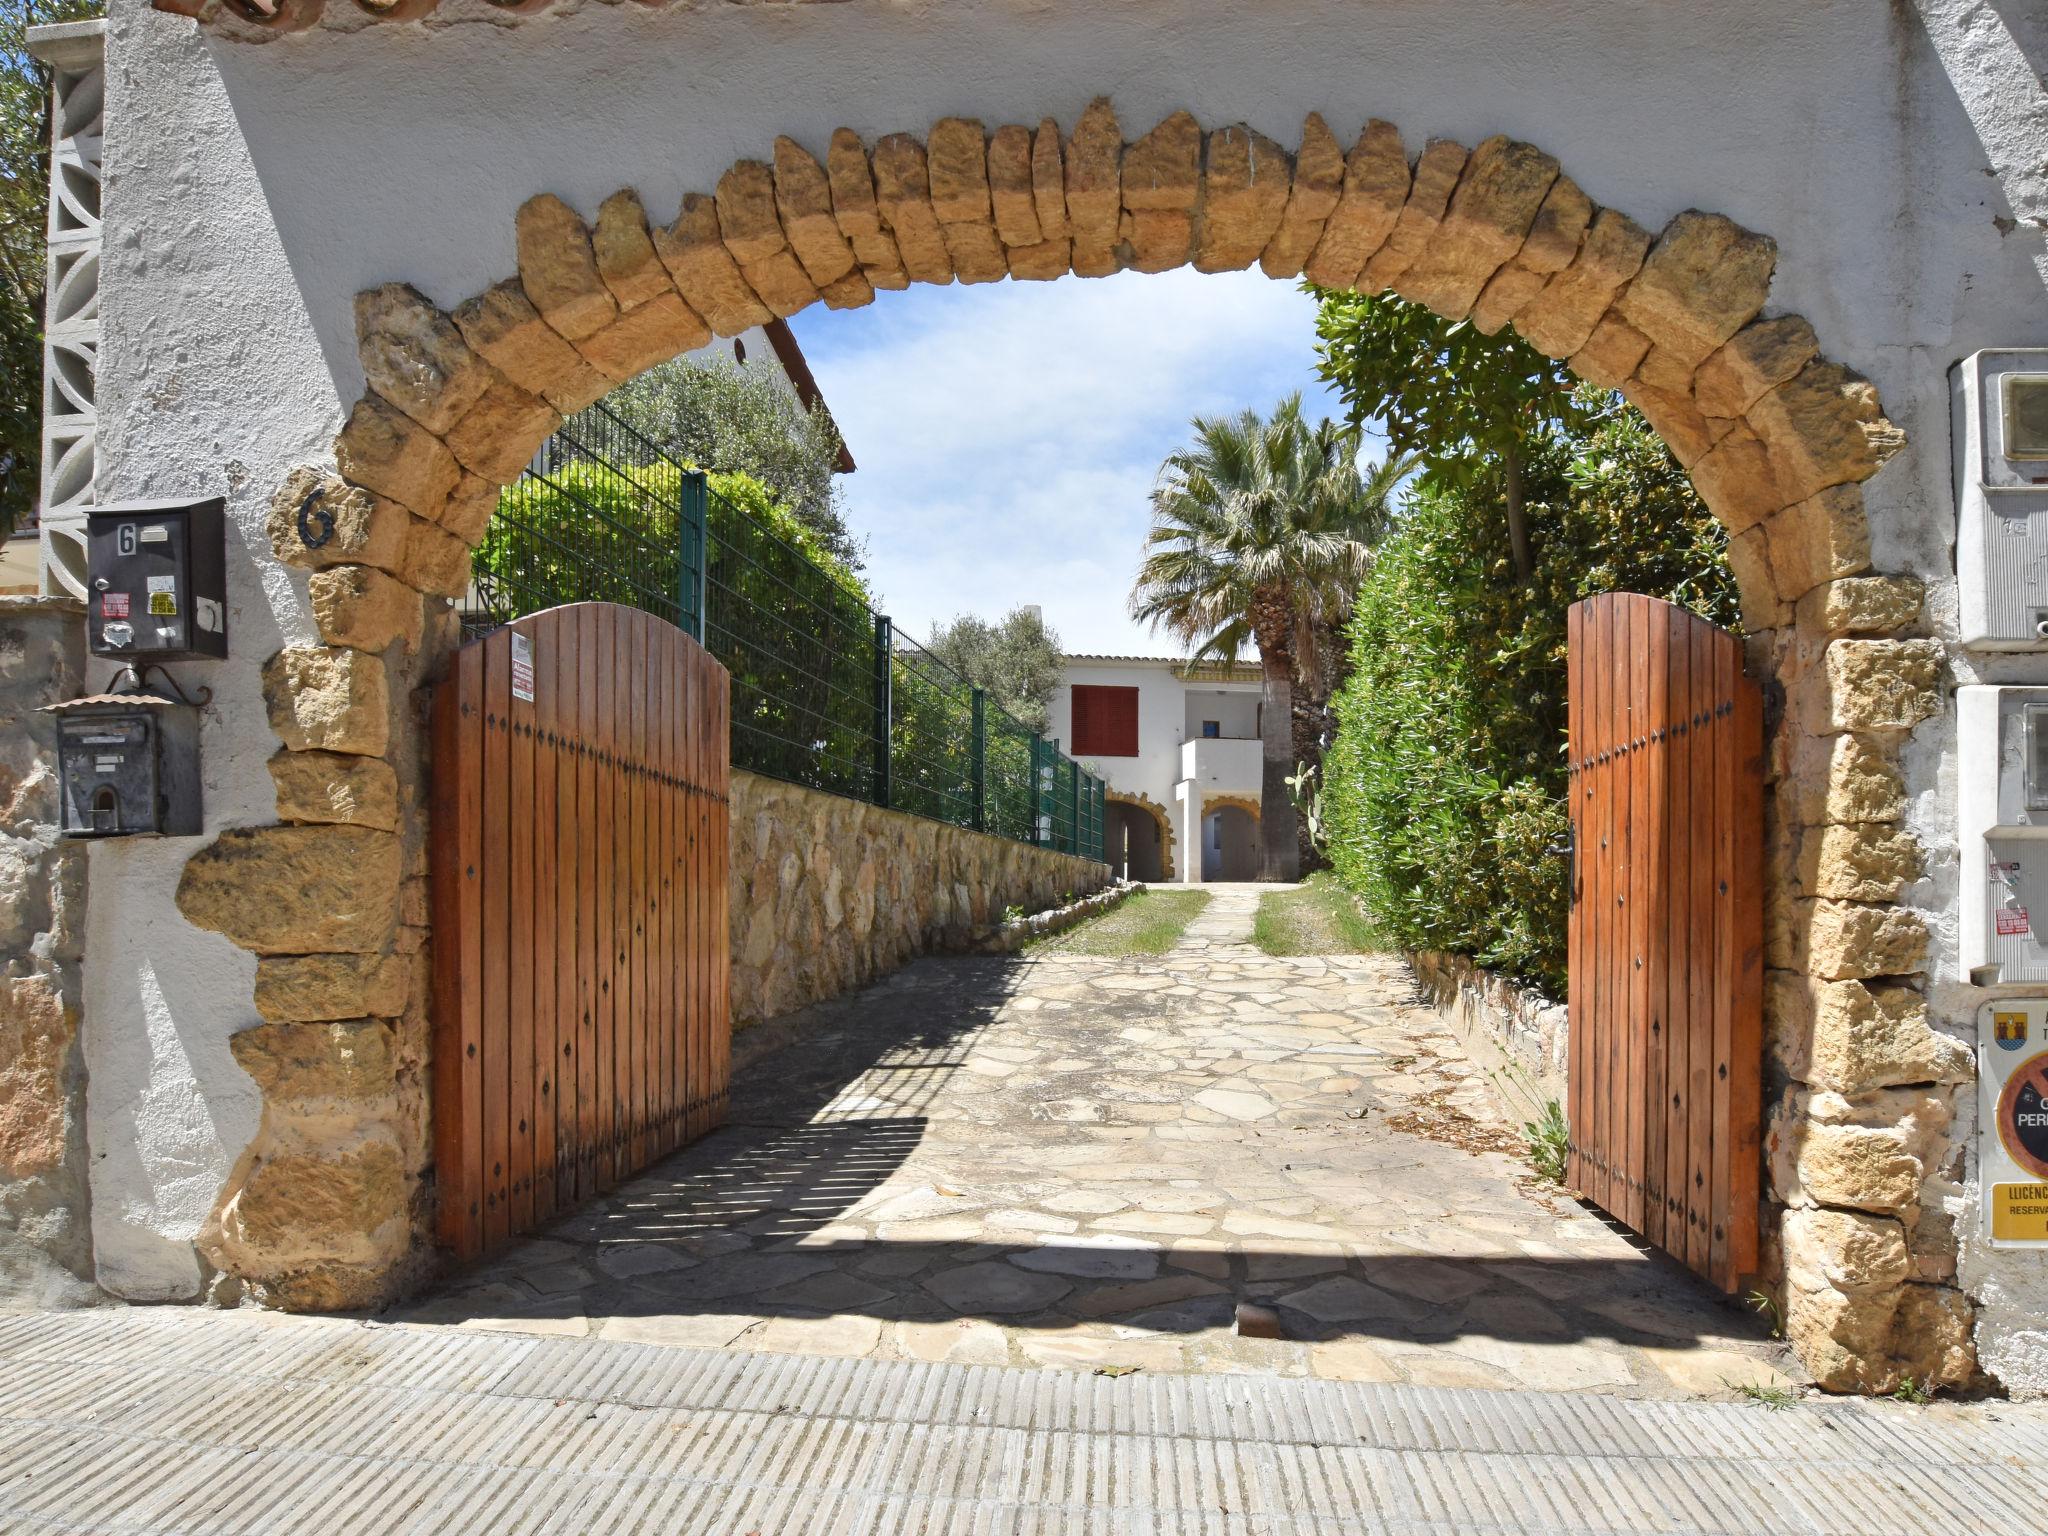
column 1147, row 923
column 1318, row 917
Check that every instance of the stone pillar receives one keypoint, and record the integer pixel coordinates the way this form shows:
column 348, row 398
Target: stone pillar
column 45, row 1225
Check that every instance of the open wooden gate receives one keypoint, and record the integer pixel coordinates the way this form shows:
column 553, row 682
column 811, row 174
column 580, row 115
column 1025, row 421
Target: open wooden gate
column 1666, row 934
column 579, row 852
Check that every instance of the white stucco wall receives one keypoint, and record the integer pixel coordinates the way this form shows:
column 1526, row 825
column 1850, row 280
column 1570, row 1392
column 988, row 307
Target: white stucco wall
column 1894, row 150
column 1164, row 716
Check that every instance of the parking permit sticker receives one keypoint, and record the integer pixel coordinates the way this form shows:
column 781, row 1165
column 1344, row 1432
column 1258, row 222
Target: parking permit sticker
column 2012, row 921
column 113, row 605
column 2019, row 1213
column 522, row 667
column 163, row 597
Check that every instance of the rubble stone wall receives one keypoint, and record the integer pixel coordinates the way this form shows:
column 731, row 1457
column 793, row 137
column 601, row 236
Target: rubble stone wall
column 45, row 1200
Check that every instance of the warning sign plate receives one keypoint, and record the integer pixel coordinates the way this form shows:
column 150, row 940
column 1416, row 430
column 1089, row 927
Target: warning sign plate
column 2012, row 921
column 2019, row 1213
column 2023, row 1115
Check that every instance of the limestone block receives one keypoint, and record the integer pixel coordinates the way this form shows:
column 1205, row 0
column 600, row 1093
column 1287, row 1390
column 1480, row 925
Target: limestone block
column 414, row 357
column 341, row 1059
column 1049, row 182
column 470, row 508
column 502, row 432
column 803, row 200
column 752, row 231
column 1560, row 319
column 1163, row 169
column 1686, row 432
column 1318, row 182
column 1845, row 778
column 975, row 252
column 335, row 787
column 1858, row 861
column 1012, row 201
column 355, row 527
column 296, row 890
column 301, row 1208
column 903, row 196
column 848, row 292
column 1042, row 262
column 1878, row 685
column 1429, row 195
column 1934, row 1337
column 1822, row 428
column 558, row 270
column 1843, row 1339
column 1867, row 1153
column 853, row 186
column 1611, row 353
column 624, row 251
column 36, row 1035
column 1703, row 280
column 705, row 274
column 1757, row 358
column 502, row 324
column 1245, row 178
column 364, row 609
column 1376, row 188
column 433, row 560
column 956, row 163
column 1847, row 1250
column 1749, row 561
column 1498, row 195
column 1554, row 238
column 1852, row 1036
column 1736, row 481
column 332, row 700
column 1871, row 605
column 1839, row 940
column 662, row 328
column 384, row 450
column 1158, row 238
column 1819, row 539
column 1092, row 166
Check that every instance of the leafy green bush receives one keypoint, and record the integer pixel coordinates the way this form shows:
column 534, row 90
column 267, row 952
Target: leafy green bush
column 1445, row 785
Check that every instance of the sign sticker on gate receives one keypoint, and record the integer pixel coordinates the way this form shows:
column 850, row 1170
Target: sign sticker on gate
column 522, row 667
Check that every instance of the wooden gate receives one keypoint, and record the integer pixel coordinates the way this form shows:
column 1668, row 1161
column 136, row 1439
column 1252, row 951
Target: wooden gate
column 1666, row 934
column 579, row 852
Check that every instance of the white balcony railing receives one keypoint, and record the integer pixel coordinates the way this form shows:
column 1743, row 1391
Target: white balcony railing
column 1221, row 764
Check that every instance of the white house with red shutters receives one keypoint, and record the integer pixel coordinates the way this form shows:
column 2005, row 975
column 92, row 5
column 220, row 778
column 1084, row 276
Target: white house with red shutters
column 1178, row 746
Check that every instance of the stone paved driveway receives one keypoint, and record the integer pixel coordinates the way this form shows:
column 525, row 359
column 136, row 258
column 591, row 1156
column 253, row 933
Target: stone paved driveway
column 1081, row 1162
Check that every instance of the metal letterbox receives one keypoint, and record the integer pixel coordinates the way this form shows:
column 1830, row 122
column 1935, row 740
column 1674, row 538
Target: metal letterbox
column 2000, row 428
column 156, row 573
column 128, row 766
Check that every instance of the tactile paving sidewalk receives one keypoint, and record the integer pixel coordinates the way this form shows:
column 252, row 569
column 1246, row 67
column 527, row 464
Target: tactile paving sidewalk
column 185, row 1421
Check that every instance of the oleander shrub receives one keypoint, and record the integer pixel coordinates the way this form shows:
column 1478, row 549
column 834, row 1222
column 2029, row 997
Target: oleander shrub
column 1445, row 784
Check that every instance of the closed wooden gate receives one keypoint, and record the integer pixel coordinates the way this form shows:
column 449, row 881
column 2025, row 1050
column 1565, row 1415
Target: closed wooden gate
column 1666, row 936
column 579, row 852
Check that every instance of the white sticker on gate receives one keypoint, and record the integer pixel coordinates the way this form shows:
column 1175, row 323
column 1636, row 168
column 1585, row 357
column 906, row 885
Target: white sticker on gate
column 522, row 667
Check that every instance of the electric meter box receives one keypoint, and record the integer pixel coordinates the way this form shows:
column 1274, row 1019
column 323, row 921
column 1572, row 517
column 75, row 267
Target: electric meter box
column 2012, row 1120
column 2000, row 425
column 128, row 766
column 2002, row 832
column 156, row 579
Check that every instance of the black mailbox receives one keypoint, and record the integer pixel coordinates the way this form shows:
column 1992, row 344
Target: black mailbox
column 157, row 573
column 128, row 765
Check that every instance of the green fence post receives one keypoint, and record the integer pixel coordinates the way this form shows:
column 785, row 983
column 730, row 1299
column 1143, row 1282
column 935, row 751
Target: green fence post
column 884, row 682
column 691, row 528
column 980, row 759
column 1074, row 807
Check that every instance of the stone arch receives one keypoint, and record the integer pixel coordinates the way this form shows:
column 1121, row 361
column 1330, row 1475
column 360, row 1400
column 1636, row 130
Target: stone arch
column 1153, row 809
column 1776, row 438
column 1249, row 804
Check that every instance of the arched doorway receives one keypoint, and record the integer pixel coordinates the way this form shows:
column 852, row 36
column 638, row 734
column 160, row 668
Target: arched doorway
column 1139, row 838
column 1230, row 849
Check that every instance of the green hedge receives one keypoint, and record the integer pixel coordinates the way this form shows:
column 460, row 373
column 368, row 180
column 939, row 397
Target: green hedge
column 1445, row 783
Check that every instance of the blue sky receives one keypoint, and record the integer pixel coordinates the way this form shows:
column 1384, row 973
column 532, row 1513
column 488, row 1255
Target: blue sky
column 1008, row 434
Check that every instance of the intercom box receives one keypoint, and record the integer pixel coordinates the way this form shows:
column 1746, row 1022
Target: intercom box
column 156, row 574
column 1999, row 422
column 2002, row 832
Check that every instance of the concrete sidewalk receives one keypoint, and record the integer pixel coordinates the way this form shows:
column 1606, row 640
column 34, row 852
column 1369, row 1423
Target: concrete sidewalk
column 190, row 1422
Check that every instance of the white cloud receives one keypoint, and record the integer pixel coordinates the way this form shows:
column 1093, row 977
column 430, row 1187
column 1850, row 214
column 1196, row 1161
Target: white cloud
column 1007, row 434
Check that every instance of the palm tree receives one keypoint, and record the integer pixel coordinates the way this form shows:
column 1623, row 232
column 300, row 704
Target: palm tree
column 1261, row 531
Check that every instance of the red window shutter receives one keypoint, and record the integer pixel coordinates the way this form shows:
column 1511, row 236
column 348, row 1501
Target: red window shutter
column 1105, row 721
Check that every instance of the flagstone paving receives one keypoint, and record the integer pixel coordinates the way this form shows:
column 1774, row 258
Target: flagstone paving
column 1089, row 1162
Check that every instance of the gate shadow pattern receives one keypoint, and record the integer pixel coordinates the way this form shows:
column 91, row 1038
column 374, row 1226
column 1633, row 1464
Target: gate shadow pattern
column 752, row 1223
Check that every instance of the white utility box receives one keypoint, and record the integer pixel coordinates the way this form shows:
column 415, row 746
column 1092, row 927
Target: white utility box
column 2012, row 1120
column 2000, row 424
column 2002, row 832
